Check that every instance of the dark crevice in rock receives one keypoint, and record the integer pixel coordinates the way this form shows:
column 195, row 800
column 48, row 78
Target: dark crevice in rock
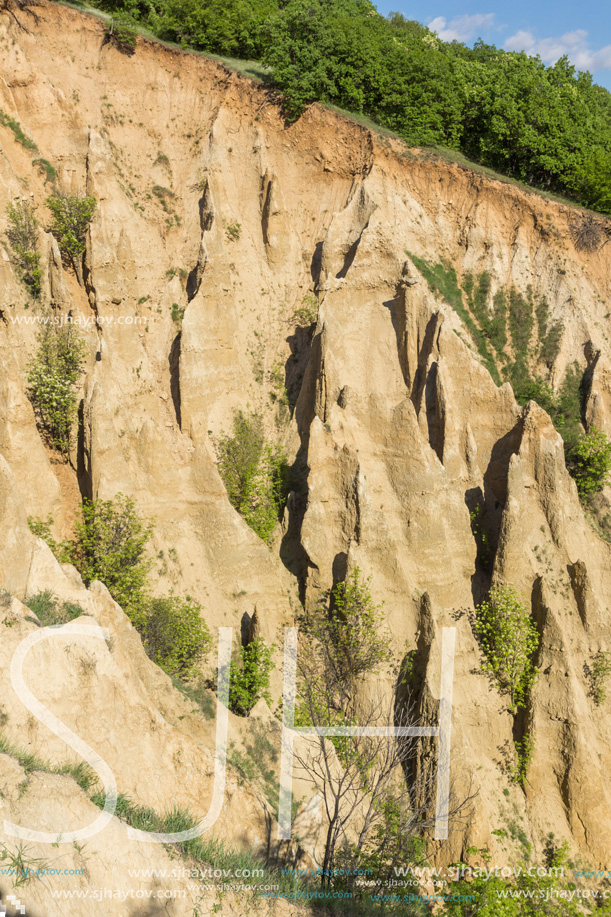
column 396, row 307
column 316, row 264
column 83, row 459
column 582, row 590
column 496, row 474
column 413, row 700
column 295, row 367
column 174, row 363
column 425, row 347
column 435, row 410
column 312, row 393
column 292, row 552
column 266, row 198
column 340, row 568
column 206, row 219
column 486, row 537
column 350, row 255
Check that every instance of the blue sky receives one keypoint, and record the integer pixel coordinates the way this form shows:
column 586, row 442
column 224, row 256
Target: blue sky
column 550, row 28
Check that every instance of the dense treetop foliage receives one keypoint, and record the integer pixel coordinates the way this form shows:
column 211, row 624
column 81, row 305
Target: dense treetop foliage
column 548, row 126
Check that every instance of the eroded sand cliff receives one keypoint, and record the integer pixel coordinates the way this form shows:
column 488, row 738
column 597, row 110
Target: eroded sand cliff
column 396, row 425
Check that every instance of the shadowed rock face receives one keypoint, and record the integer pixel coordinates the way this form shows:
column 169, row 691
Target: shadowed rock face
column 209, row 203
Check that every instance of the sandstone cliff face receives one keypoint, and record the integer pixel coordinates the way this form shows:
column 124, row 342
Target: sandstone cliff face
column 208, row 200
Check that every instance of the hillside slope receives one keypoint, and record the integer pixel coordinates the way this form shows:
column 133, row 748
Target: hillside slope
column 208, row 202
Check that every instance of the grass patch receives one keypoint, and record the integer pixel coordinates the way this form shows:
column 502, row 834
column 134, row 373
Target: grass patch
column 20, row 136
column 49, row 170
column 31, row 762
column 233, row 231
column 178, row 313
column 20, row 865
column 442, row 280
column 523, row 323
column 218, row 854
column 493, row 322
column 81, row 772
column 199, row 694
column 164, row 195
column 51, row 611
column 208, row 852
column 549, row 335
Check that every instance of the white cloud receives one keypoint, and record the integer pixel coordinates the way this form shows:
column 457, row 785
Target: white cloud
column 573, row 44
column 461, row 28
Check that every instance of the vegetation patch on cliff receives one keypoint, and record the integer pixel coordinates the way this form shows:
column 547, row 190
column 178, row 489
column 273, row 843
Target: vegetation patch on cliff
column 53, row 376
column 255, row 473
column 516, row 341
column 22, row 235
column 110, row 544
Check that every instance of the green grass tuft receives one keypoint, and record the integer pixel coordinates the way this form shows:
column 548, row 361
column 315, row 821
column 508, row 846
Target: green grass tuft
column 20, row 137
column 442, row 280
column 50, row 171
column 81, row 772
column 51, row 611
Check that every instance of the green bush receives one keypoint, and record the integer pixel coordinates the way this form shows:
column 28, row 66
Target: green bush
column 524, row 895
column 590, row 462
column 50, row 610
column 563, row 408
column 121, row 33
column 234, row 231
column 109, row 545
column 177, row 638
column 346, row 641
column 53, row 375
column 42, row 529
column 352, row 627
column 524, row 752
column 391, row 844
column 255, row 474
column 599, row 674
column 22, row 234
column 250, row 673
column 508, row 639
column 71, row 217
column 307, row 313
